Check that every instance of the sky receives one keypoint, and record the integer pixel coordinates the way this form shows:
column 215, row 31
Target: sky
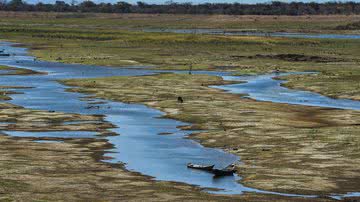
column 183, row 1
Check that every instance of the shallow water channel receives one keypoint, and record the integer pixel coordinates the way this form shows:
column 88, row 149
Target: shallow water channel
column 139, row 144
column 256, row 33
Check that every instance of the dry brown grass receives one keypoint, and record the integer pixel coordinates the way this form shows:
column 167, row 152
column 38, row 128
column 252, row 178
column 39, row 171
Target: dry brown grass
column 286, row 148
column 315, row 23
column 71, row 170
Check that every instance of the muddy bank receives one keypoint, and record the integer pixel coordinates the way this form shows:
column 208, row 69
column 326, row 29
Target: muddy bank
column 53, row 168
column 17, row 118
column 283, row 33
column 261, row 133
column 71, row 171
column 116, row 111
column 349, row 26
column 327, row 83
column 7, row 71
column 294, row 58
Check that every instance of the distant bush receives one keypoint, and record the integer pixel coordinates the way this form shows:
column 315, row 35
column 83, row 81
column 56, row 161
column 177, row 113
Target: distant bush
column 350, row 26
column 73, row 15
column 68, row 36
column 272, row 8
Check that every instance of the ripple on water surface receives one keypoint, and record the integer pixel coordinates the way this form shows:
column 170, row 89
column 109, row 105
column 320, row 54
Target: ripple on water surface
column 53, row 134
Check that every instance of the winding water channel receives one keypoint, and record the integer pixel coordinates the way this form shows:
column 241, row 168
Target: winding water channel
column 139, row 144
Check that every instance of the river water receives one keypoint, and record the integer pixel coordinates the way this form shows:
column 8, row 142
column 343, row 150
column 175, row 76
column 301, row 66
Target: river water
column 255, row 33
column 139, row 144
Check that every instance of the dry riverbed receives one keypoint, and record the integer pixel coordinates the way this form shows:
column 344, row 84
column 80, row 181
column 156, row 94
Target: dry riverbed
column 285, row 148
column 59, row 169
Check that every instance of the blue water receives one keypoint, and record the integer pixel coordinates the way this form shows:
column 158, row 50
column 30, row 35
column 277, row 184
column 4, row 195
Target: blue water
column 139, row 144
column 265, row 88
column 254, row 33
column 6, row 71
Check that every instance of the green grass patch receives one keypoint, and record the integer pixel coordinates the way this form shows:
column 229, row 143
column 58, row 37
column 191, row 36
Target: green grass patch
column 111, row 41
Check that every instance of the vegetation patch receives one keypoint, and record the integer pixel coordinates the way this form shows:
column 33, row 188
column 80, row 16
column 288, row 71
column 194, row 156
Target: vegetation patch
column 274, row 156
column 110, row 40
column 38, row 171
column 297, row 58
column 283, row 147
column 344, row 86
column 350, row 26
column 16, row 71
column 71, row 169
column 275, row 8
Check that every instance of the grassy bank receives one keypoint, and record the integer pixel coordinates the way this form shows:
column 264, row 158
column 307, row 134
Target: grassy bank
column 289, row 149
column 71, row 169
column 4, row 71
column 315, row 23
column 16, row 71
column 100, row 39
column 320, row 157
column 338, row 85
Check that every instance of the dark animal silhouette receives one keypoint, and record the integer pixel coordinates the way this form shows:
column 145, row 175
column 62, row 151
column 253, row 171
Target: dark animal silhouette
column 93, row 107
column 180, row 100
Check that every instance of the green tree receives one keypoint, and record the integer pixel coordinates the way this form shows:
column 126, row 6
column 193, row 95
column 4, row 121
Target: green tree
column 16, row 5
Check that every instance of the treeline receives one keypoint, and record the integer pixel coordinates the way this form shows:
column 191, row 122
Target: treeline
column 273, row 8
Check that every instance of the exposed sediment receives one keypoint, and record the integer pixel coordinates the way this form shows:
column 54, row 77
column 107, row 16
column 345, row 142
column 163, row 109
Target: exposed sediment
column 284, row 148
